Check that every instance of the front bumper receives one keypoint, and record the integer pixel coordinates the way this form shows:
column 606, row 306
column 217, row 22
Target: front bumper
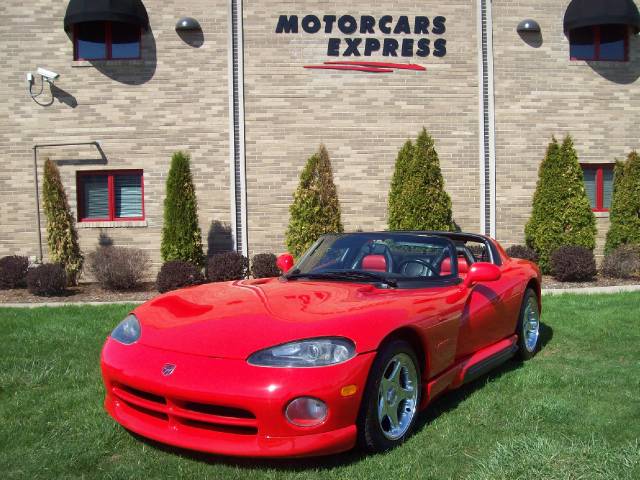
column 226, row 406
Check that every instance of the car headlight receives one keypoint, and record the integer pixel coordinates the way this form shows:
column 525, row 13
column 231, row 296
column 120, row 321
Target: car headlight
column 315, row 352
column 127, row 331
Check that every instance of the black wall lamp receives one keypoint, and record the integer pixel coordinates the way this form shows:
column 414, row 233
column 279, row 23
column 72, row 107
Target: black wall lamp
column 528, row 26
column 187, row 23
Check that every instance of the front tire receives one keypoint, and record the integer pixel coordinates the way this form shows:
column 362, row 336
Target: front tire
column 391, row 399
column 528, row 330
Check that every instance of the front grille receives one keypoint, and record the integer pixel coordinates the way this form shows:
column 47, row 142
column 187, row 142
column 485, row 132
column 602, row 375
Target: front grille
column 202, row 416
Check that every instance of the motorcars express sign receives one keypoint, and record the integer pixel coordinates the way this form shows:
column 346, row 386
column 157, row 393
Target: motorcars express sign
column 365, row 36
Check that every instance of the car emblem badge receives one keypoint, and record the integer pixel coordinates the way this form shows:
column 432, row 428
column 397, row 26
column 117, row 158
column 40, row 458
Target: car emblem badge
column 168, row 369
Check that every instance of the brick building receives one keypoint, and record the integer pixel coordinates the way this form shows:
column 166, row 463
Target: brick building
column 250, row 89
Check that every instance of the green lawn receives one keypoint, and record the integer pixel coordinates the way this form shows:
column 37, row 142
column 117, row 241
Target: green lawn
column 573, row 412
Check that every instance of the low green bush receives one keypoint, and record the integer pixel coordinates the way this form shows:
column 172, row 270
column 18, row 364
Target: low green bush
column 263, row 265
column 177, row 274
column 46, row 280
column 571, row 263
column 227, row 266
column 13, row 272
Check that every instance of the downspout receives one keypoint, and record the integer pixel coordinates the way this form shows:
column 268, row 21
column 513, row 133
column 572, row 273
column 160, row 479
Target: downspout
column 487, row 119
column 237, row 170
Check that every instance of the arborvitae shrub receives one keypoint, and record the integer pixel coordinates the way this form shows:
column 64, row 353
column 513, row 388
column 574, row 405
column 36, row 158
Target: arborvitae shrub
column 561, row 210
column 522, row 251
column 181, row 236
column 227, row 266
column 13, row 272
column 625, row 205
column 571, row 263
column 178, row 274
column 47, row 280
column 418, row 200
column 62, row 237
column 623, row 262
column 263, row 265
column 118, row 268
column 315, row 209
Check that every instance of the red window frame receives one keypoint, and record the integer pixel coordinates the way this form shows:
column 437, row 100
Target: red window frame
column 110, row 174
column 599, row 168
column 108, row 43
column 596, row 44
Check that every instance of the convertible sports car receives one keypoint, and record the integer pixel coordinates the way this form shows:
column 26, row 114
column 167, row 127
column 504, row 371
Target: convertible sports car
column 343, row 349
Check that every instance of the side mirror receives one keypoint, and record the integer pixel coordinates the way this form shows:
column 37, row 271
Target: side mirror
column 285, row 262
column 482, row 272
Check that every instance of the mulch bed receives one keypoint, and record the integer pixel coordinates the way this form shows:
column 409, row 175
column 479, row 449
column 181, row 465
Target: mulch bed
column 91, row 292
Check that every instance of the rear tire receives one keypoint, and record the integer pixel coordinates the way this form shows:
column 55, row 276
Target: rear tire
column 528, row 329
column 390, row 403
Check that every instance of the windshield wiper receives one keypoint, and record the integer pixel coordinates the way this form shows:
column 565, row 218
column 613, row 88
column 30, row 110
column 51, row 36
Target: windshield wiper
column 345, row 275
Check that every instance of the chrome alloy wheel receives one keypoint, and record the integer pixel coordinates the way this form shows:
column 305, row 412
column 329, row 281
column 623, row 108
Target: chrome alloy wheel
column 531, row 324
column 397, row 396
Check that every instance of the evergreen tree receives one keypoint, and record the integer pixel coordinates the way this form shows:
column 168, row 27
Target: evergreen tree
column 395, row 204
column 181, row 236
column 418, row 200
column 315, row 209
column 625, row 205
column 561, row 210
column 62, row 236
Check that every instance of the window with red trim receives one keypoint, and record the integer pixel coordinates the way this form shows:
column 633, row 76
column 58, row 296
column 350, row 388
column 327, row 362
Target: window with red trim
column 598, row 182
column 106, row 41
column 110, row 196
column 600, row 42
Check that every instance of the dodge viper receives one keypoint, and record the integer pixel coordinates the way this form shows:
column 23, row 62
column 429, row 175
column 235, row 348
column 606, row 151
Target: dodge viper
column 343, row 349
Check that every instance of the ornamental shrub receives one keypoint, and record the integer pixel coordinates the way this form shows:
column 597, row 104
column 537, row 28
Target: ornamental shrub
column 522, row 251
column 417, row 199
column 561, row 212
column 263, row 265
column 573, row 263
column 181, row 236
column 625, row 205
column 178, row 274
column 623, row 262
column 227, row 266
column 62, row 237
column 13, row 272
column 47, row 280
column 118, row 268
column 315, row 209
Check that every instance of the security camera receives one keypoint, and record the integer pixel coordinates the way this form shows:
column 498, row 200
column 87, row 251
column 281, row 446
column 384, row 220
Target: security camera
column 47, row 74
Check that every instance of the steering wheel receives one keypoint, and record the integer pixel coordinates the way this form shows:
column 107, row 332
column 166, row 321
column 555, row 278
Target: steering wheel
column 430, row 273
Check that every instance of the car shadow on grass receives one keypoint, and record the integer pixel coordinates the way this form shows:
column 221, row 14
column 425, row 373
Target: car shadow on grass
column 441, row 406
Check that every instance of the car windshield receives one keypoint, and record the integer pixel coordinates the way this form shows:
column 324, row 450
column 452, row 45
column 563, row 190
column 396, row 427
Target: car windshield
column 381, row 257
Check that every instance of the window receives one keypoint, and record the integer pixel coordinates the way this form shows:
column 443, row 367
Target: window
column 110, row 196
column 598, row 182
column 600, row 42
column 106, row 41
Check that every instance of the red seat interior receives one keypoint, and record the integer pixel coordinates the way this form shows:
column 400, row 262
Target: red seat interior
column 463, row 266
column 374, row 263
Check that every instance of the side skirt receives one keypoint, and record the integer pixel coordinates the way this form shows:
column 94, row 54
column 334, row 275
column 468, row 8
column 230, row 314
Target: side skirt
column 470, row 368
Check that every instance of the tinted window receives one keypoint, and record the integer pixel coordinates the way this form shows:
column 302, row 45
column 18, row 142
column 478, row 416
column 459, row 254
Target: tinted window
column 91, row 40
column 125, row 40
column 583, row 43
column 612, row 42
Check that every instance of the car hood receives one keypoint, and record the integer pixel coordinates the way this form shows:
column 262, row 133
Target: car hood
column 236, row 319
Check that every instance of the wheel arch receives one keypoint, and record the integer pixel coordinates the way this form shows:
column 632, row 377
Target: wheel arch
column 414, row 338
column 534, row 285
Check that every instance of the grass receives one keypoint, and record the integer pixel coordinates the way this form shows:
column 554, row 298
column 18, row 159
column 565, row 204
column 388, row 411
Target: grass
column 573, row 412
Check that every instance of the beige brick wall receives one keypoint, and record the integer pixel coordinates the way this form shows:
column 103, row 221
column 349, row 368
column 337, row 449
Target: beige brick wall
column 140, row 110
column 362, row 118
column 540, row 92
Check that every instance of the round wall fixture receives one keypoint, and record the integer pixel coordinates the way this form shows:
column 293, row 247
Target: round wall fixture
column 186, row 24
column 529, row 26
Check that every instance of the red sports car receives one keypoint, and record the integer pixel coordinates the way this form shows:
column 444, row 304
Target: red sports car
column 343, row 349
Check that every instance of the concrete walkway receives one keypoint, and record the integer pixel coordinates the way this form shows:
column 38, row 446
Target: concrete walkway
column 545, row 291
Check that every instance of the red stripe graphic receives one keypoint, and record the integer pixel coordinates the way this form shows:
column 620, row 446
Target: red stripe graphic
column 373, row 67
